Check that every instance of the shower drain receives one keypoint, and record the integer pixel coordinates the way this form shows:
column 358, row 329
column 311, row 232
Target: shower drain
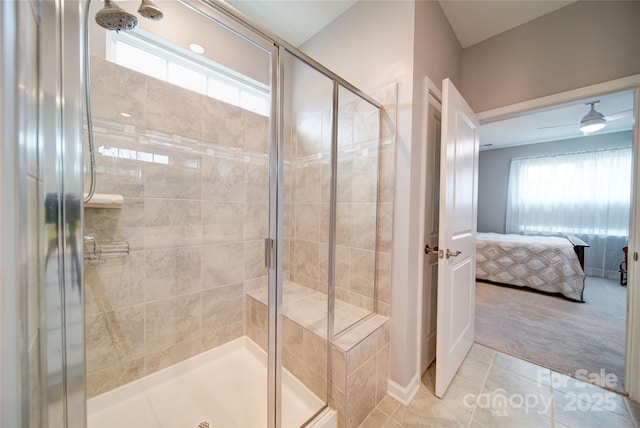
column 204, row 424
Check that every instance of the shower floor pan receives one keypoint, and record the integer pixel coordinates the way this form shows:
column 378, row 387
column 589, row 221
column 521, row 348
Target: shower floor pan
column 225, row 387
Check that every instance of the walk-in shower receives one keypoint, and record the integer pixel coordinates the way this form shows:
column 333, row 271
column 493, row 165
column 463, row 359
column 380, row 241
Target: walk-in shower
column 231, row 247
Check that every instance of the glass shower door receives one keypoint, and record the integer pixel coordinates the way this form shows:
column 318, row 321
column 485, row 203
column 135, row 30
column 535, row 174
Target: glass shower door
column 176, row 327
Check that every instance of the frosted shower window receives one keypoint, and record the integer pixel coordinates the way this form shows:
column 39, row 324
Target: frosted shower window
column 181, row 67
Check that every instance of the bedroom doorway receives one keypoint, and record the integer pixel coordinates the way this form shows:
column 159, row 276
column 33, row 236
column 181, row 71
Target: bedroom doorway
column 603, row 324
column 631, row 352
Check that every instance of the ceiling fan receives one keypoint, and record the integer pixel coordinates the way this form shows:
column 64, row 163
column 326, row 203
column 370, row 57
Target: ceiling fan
column 594, row 120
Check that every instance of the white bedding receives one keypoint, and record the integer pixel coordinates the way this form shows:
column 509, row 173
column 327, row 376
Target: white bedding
column 545, row 263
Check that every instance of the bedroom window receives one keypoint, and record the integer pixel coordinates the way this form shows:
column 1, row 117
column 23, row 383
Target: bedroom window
column 581, row 193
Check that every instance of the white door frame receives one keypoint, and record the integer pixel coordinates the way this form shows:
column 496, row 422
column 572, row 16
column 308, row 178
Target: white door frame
column 632, row 363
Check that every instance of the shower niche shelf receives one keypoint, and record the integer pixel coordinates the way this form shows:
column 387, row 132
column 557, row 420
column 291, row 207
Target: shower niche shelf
column 104, row 200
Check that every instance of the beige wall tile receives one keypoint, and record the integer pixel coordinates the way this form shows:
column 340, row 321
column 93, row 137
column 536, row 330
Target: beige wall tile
column 361, row 393
column 172, row 320
column 123, row 224
column 337, row 402
column 115, row 90
column 307, row 222
column 174, row 110
column 114, row 376
column 256, row 283
column 254, row 259
column 174, row 354
column 314, row 352
column 114, row 284
column 292, row 338
column 365, row 179
column 385, row 227
column 345, row 123
column 172, row 272
column 222, row 306
column 223, row 179
column 220, row 336
column 222, row 222
column 307, row 184
column 113, row 337
column 382, row 373
column 363, row 226
column 384, row 334
column 131, row 223
column 181, row 178
column 222, row 264
column 343, row 267
column 383, row 277
column 362, row 272
column 257, row 182
column 338, row 368
column 225, row 124
column 259, row 315
column 386, row 171
column 256, row 221
column 344, row 213
column 362, row 352
column 306, row 259
column 344, row 179
column 172, row 223
column 257, row 133
column 119, row 176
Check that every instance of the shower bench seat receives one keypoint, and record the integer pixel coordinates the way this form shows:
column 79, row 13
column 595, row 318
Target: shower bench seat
column 359, row 352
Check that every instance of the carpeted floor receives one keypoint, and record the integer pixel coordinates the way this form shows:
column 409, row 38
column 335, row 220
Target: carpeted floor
column 554, row 332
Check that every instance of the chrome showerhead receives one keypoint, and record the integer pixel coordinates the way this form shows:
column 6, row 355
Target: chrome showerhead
column 150, row 11
column 113, row 17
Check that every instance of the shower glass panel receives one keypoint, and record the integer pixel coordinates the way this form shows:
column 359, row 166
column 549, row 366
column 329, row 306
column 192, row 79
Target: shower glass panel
column 174, row 239
column 307, row 165
column 357, row 155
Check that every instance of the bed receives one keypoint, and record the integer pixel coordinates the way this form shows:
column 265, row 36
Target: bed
column 545, row 263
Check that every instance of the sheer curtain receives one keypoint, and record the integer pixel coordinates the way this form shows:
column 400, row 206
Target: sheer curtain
column 583, row 194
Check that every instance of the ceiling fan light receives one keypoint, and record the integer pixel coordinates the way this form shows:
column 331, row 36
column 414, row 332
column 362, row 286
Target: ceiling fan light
column 592, row 121
column 592, row 126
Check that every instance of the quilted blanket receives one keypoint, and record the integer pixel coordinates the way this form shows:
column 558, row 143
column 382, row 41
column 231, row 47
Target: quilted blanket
column 542, row 262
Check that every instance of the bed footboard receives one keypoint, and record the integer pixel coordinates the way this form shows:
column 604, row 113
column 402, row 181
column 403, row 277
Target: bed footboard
column 578, row 245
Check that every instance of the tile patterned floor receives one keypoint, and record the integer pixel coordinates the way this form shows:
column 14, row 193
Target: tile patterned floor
column 492, row 389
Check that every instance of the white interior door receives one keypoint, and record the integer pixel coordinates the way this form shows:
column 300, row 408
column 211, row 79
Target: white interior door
column 457, row 240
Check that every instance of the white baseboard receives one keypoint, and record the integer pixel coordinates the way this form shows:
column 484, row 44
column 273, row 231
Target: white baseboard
column 404, row 394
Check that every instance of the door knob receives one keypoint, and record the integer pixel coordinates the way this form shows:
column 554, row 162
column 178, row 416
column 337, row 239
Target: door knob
column 452, row 254
column 429, row 250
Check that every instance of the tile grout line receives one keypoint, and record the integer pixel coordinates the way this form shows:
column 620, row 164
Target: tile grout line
column 482, row 385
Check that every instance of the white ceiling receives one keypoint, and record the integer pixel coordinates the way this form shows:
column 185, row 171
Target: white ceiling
column 295, row 21
column 557, row 123
column 476, row 20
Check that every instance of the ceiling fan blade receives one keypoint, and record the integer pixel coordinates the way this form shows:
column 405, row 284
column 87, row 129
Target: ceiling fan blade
column 556, row 126
column 620, row 115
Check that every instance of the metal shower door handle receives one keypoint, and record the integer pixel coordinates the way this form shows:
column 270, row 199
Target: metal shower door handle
column 452, row 254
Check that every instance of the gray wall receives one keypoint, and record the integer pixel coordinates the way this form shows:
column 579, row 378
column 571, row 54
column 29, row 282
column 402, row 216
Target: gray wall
column 493, row 176
column 585, row 43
